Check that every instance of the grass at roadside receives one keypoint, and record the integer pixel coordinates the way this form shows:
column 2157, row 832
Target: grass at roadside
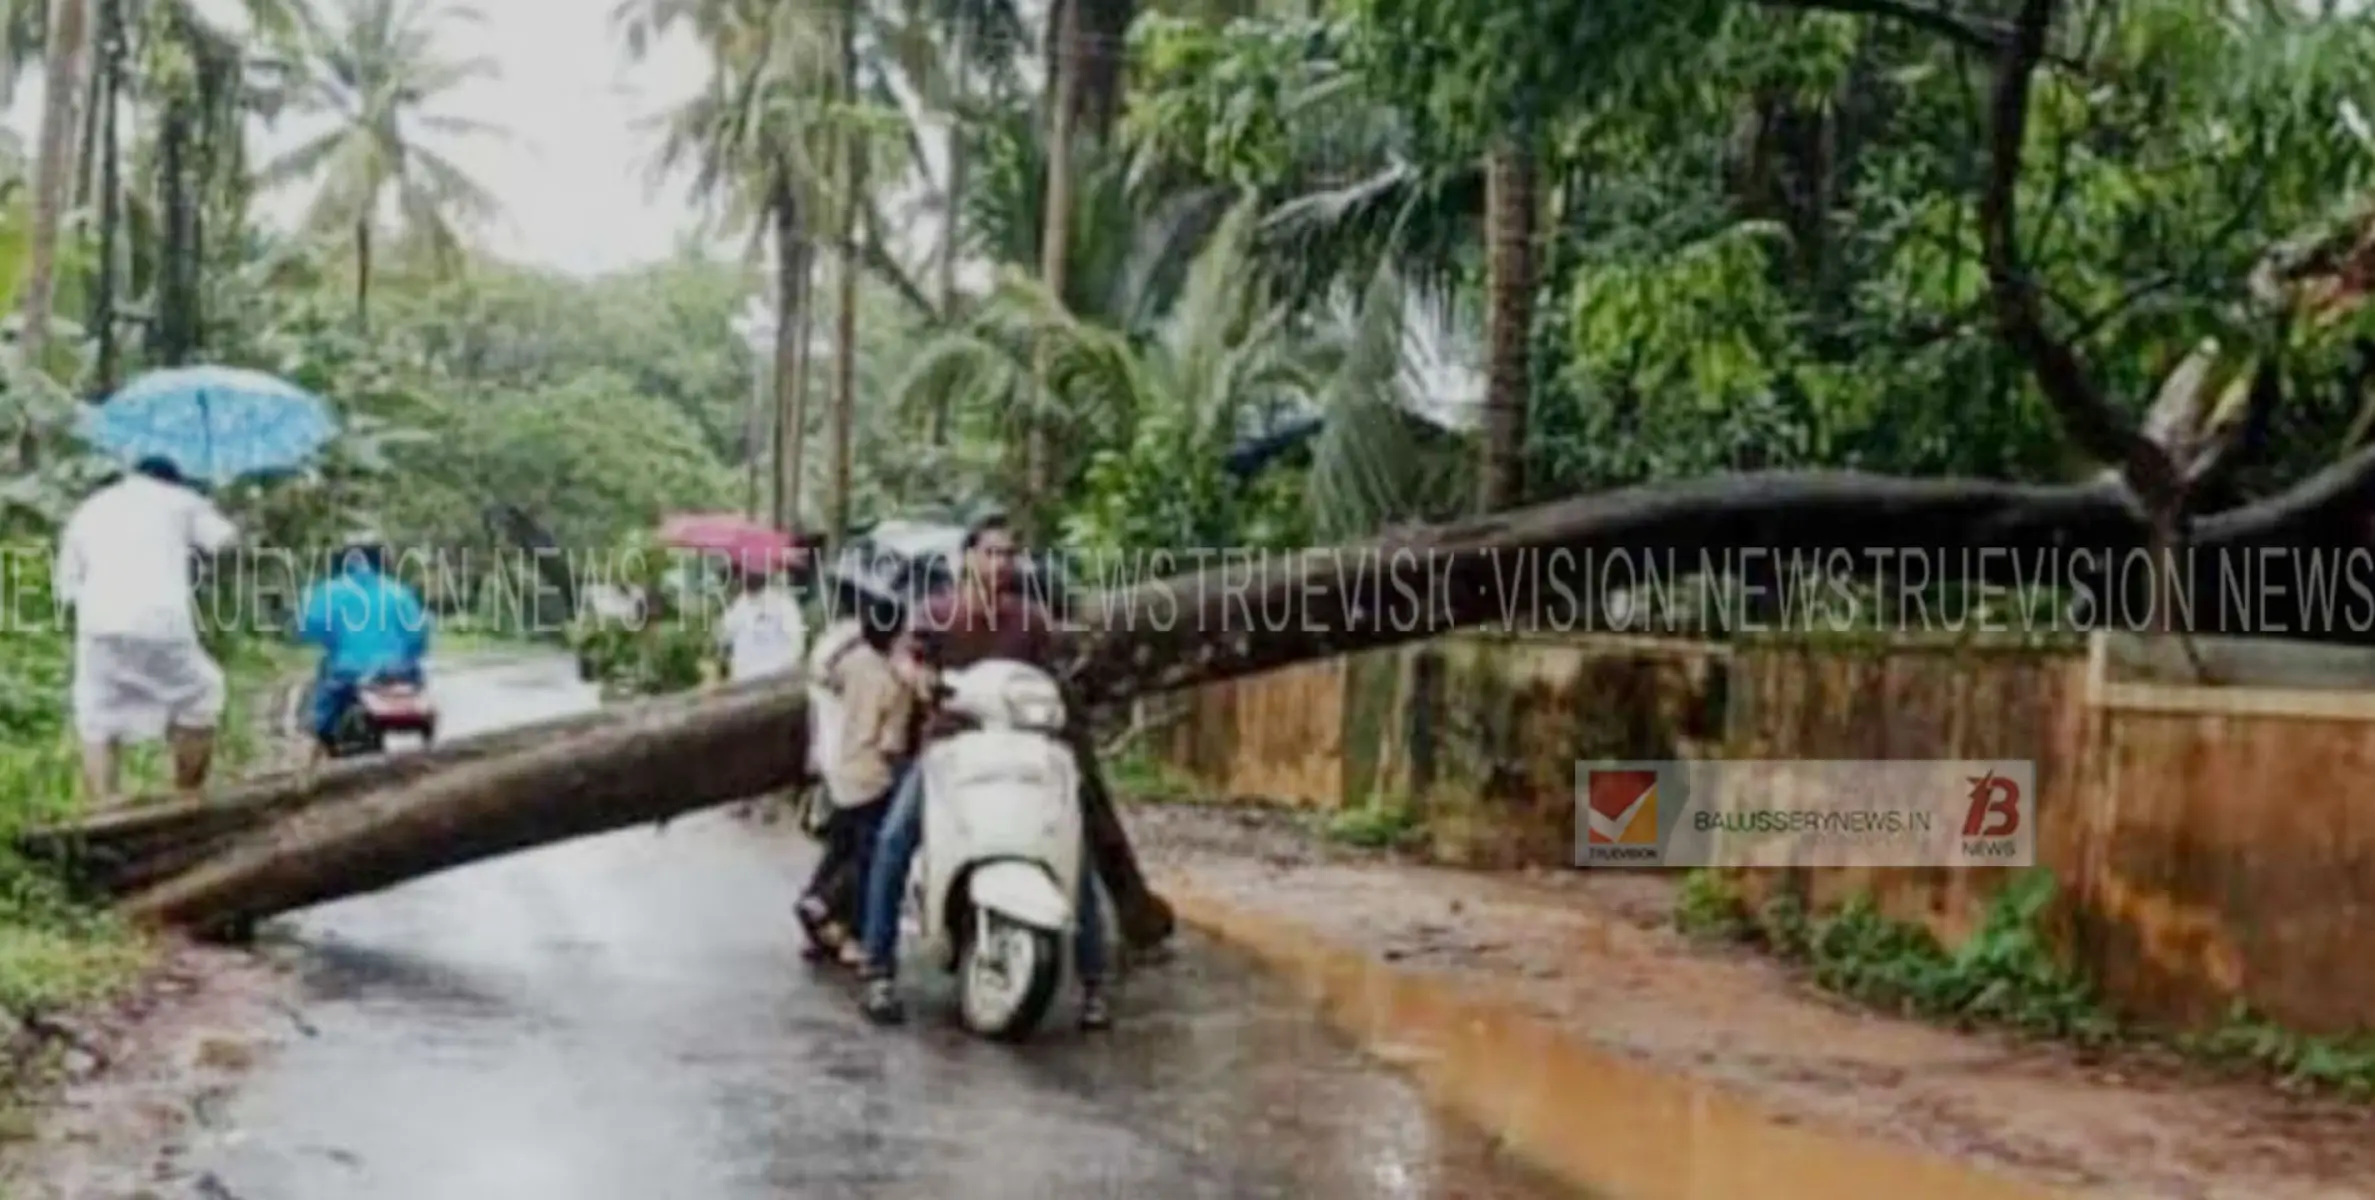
column 2005, row 976
column 55, row 951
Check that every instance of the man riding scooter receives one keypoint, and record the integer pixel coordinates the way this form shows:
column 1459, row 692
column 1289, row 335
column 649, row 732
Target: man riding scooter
column 984, row 616
column 371, row 629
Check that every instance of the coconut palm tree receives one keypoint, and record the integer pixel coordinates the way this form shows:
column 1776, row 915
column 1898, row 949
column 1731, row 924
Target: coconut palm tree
column 1169, row 383
column 793, row 90
column 752, row 141
column 376, row 69
column 69, row 44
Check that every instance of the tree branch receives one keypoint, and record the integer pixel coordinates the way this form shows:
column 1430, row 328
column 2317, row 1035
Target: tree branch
column 1989, row 37
column 2085, row 416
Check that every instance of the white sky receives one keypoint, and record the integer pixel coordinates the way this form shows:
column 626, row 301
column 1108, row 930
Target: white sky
column 572, row 177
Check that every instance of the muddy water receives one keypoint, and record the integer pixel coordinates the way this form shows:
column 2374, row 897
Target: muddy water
column 1581, row 1112
column 627, row 1017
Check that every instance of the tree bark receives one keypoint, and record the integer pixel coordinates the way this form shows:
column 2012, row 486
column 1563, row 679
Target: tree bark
column 53, row 172
column 363, row 274
column 145, row 839
column 1539, row 564
column 792, row 270
column 86, row 158
column 1509, row 232
column 952, row 216
column 178, row 266
column 1055, row 254
column 845, row 316
column 648, row 767
column 1092, row 97
column 671, row 757
column 110, row 152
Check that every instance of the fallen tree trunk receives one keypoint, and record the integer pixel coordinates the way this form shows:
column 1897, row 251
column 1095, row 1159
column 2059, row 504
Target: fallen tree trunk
column 1208, row 626
column 1558, row 564
column 647, row 765
column 136, row 843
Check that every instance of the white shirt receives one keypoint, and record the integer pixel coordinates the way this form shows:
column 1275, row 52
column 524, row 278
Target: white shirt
column 764, row 634
column 124, row 559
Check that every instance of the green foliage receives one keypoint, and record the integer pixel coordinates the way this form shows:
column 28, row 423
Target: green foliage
column 1382, row 822
column 53, row 949
column 662, row 647
column 2005, row 974
column 593, row 457
column 1225, row 100
column 665, row 328
column 2246, row 1039
column 1469, row 74
column 1137, row 775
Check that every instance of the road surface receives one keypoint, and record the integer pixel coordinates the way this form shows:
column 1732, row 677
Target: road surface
column 627, row 1018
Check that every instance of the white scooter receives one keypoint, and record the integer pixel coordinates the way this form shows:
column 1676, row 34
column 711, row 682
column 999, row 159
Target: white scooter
column 993, row 886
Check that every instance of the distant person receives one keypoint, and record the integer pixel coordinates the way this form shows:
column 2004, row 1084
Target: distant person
column 140, row 671
column 764, row 631
column 368, row 625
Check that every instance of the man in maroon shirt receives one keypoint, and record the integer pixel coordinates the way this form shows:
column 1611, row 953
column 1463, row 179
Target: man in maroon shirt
column 982, row 616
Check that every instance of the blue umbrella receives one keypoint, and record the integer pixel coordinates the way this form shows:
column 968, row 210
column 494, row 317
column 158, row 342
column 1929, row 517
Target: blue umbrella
column 215, row 423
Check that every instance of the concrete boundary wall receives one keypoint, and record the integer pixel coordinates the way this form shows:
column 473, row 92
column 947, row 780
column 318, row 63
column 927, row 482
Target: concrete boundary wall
column 2214, row 837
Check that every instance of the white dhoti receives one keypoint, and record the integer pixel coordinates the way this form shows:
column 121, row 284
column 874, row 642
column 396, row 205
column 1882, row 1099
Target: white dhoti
column 133, row 688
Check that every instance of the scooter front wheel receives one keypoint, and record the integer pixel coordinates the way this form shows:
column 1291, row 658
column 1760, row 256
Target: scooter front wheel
column 1007, row 977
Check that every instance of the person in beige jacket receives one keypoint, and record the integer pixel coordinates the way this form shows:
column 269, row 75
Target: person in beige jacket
column 871, row 748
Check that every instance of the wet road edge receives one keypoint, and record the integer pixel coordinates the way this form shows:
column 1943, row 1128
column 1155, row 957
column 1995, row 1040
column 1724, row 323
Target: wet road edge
column 1571, row 1110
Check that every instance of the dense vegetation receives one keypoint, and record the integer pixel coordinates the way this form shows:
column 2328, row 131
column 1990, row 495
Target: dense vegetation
column 1483, row 261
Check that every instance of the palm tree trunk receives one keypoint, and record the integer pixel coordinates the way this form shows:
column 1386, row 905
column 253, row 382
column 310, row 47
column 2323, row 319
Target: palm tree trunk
column 111, row 67
column 177, row 252
column 952, row 217
column 86, row 159
column 796, row 418
column 845, row 323
column 792, row 269
column 1055, row 252
column 1092, row 94
column 363, row 274
column 53, row 173
column 1509, row 319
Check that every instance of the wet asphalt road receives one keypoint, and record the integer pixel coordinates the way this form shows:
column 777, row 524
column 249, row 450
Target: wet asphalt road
column 627, row 1018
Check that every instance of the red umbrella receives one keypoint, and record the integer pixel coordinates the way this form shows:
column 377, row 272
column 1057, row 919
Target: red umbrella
column 751, row 544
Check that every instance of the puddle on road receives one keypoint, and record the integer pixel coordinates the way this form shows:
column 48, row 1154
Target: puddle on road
column 1581, row 1114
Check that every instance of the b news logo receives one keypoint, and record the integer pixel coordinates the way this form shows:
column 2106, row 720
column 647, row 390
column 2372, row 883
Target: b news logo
column 1991, row 821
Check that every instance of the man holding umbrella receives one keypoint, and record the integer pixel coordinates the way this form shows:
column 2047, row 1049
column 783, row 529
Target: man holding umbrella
column 139, row 668
column 124, row 559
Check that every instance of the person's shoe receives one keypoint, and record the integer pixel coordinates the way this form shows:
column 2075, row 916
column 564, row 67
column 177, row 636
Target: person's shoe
column 853, row 955
column 1095, row 1015
column 881, row 1004
column 814, row 918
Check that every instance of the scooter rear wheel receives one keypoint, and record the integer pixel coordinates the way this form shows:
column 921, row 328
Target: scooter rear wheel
column 1006, row 978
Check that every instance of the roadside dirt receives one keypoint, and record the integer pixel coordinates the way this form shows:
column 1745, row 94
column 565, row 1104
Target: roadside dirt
column 112, row 1095
column 144, row 1078
column 1597, row 954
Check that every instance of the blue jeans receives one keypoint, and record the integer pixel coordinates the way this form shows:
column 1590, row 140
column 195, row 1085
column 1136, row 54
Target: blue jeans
column 335, row 691
column 886, row 881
